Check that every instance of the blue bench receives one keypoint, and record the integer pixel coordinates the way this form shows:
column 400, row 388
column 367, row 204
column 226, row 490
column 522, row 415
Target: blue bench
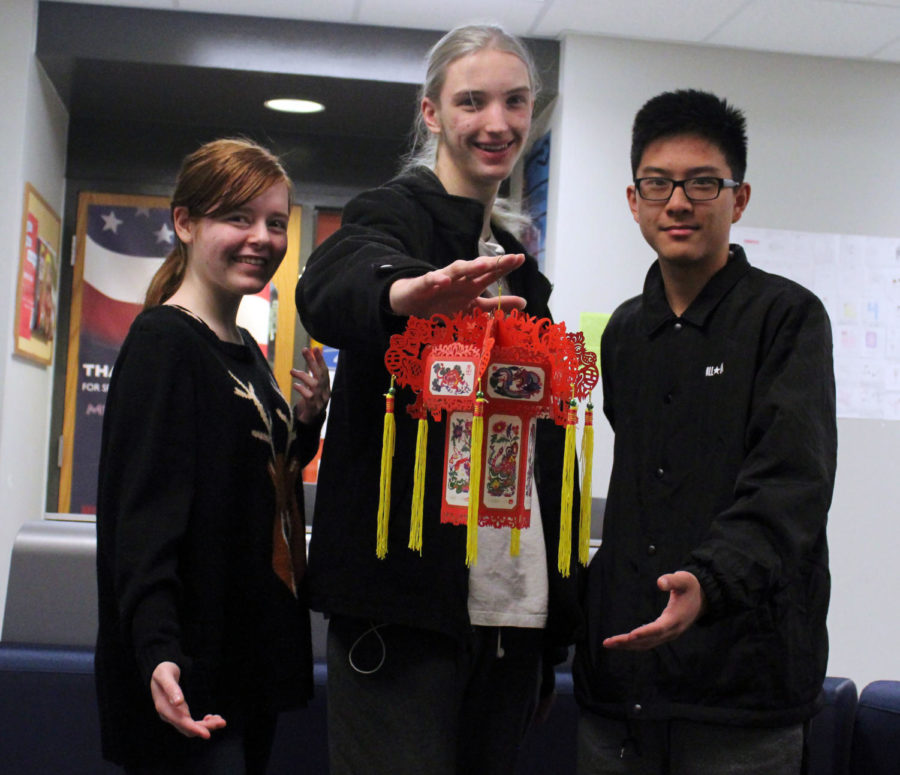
column 48, row 723
column 876, row 732
column 831, row 730
column 549, row 747
column 48, row 716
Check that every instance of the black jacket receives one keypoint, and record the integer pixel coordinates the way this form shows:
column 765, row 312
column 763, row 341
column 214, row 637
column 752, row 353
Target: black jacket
column 405, row 228
column 725, row 448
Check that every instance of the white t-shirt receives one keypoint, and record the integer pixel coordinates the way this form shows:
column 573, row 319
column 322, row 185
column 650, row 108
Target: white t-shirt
column 507, row 591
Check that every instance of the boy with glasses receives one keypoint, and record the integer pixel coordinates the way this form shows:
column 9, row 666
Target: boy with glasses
column 706, row 644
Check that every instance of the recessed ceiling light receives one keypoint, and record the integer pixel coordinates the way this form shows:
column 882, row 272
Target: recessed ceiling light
column 294, row 106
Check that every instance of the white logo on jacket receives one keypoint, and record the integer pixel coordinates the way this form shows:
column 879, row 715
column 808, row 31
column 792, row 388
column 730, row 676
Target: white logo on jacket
column 715, row 371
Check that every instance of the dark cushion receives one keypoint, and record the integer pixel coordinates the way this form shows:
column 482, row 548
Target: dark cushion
column 876, row 735
column 301, row 741
column 48, row 711
column 49, row 721
column 550, row 746
column 831, row 730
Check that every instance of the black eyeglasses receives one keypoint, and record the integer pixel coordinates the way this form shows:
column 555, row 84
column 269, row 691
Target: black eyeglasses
column 696, row 189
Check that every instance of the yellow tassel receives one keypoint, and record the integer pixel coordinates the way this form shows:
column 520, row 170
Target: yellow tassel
column 387, row 463
column 514, row 542
column 474, row 480
column 568, row 487
column 418, row 495
column 587, row 462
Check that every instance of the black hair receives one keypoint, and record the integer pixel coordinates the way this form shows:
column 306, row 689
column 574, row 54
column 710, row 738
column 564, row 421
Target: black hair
column 692, row 112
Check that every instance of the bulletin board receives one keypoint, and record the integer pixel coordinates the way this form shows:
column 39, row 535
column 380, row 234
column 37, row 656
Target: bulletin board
column 857, row 277
column 36, row 290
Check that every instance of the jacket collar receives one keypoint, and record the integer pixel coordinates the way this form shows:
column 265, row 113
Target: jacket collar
column 461, row 219
column 656, row 309
column 452, row 213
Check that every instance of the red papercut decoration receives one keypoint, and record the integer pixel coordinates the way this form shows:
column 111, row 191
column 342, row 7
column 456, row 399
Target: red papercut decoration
column 528, row 368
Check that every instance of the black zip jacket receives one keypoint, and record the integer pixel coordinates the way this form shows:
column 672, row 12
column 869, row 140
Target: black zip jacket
column 405, row 228
column 725, row 449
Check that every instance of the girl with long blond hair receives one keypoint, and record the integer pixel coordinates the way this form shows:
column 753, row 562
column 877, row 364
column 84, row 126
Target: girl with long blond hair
column 432, row 667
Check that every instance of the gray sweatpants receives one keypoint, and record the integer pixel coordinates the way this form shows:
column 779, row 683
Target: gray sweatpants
column 678, row 747
column 404, row 701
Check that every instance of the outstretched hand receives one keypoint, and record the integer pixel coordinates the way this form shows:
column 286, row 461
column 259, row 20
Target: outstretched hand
column 313, row 387
column 171, row 706
column 455, row 287
column 686, row 603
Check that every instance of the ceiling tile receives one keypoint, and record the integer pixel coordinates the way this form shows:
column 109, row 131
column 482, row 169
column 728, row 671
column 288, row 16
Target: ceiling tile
column 331, row 11
column 893, row 3
column 159, row 5
column 688, row 20
column 839, row 28
column 818, row 27
column 517, row 17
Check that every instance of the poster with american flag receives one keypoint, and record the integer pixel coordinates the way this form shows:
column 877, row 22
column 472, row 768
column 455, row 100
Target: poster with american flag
column 121, row 241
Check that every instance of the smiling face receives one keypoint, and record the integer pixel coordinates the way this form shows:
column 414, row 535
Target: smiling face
column 236, row 252
column 481, row 119
column 685, row 234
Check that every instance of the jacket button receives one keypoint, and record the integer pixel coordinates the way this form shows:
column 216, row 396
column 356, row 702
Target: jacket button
column 677, row 326
column 651, row 550
column 637, row 709
column 667, row 398
column 660, row 473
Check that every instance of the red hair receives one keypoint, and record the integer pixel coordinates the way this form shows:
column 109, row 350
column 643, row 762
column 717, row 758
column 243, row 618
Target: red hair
column 218, row 177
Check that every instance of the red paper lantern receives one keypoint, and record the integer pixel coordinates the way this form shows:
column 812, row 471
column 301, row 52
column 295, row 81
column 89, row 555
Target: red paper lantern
column 511, row 368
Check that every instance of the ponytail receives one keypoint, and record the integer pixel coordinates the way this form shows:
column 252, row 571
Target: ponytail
column 168, row 277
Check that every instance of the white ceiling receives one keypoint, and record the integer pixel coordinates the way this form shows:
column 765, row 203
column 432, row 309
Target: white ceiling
column 857, row 29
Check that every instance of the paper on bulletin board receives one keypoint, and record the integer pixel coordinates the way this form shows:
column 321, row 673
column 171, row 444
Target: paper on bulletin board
column 858, row 280
column 36, row 292
column 592, row 325
column 536, row 179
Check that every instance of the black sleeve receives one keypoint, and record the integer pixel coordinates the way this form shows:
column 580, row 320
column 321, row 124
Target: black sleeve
column 307, row 438
column 146, row 490
column 783, row 490
column 342, row 294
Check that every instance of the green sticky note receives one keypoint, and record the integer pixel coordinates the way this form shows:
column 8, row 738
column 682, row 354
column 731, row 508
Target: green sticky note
column 592, row 325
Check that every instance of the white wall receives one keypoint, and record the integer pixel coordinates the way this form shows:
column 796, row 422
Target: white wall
column 823, row 151
column 33, row 126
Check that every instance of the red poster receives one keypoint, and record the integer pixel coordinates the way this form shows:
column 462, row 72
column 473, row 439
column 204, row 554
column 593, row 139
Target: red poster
column 29, row 276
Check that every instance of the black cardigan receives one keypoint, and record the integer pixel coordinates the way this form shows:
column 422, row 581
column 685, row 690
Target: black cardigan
column 405, row 228
column 185, row 519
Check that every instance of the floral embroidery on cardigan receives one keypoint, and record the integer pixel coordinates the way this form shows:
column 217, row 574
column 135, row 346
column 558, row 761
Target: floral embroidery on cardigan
column 288, row 533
